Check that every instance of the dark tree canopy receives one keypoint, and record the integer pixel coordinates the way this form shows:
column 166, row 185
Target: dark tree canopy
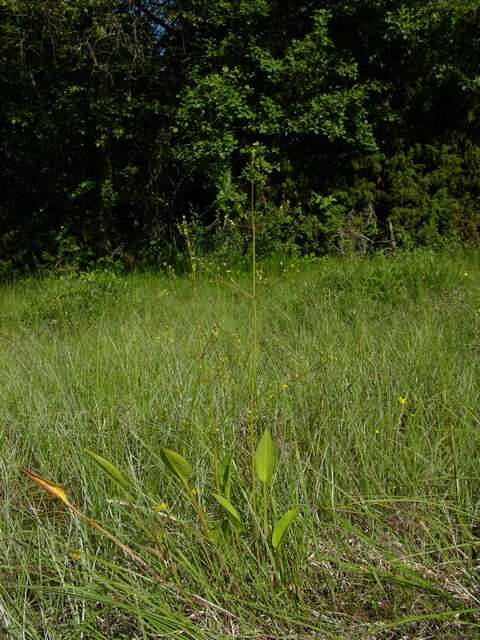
column 121, row 117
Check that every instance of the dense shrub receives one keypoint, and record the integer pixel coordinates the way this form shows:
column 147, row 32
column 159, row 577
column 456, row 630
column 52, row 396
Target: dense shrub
column 121, row 118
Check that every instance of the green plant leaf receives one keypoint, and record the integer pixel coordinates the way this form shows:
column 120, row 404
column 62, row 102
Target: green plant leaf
column 232, row 513
column 265, row 457
column 176, row 464
column 280, row 528
column 110, row 469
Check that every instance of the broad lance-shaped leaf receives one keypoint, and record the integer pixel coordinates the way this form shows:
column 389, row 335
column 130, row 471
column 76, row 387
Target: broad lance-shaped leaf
column 265, row 457
column 177, row 464
column 280, row 528
column 232, row 513
column 109, row 468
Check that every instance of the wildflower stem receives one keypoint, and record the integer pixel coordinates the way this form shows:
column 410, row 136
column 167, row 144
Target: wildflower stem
column 252, row 419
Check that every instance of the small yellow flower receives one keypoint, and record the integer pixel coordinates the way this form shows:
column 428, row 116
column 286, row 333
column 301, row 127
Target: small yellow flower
column 161, row 507
column 75, row 555
column 194, row 491
column 403, row 401
column 284, row 386
column 466, row 274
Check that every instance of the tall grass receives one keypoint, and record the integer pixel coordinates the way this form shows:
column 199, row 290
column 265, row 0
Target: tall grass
column 368, row 378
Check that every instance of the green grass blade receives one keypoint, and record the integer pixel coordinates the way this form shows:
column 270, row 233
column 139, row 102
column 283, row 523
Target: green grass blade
column 226, row 476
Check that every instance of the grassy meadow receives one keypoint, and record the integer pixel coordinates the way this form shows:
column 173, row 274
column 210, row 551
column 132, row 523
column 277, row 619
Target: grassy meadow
column 368, row 377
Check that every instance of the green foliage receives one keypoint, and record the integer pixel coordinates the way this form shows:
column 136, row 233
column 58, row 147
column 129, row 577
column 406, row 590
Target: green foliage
column 121, row 119
column 73, row 297
column 384, row 483
column 265, row 463
column 428, row 194
column 386, row 543
column 424, row 196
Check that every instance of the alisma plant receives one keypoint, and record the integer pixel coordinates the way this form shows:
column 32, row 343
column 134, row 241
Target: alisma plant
column 265, row 465
column 262, row 453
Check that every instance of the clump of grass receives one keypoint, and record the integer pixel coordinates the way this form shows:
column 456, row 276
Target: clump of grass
column 72, row 297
